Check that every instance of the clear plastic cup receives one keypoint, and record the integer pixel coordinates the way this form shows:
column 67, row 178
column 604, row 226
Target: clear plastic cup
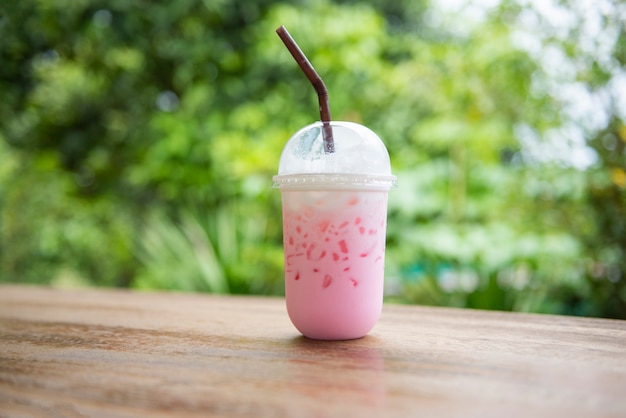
column 334, row 230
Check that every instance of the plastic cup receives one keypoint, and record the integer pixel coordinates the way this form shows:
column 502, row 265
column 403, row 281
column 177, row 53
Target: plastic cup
column 334, row 229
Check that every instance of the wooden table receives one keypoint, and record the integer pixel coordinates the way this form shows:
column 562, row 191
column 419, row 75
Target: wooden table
column 114, row 353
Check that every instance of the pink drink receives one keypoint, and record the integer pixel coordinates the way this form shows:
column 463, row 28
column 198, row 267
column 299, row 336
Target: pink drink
column 334, row 224
column 334, row 261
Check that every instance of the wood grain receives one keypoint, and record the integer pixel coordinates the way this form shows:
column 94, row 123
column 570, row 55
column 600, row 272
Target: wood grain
column 114, row 353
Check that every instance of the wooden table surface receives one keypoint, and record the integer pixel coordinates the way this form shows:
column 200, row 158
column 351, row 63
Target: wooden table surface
column 117, row 353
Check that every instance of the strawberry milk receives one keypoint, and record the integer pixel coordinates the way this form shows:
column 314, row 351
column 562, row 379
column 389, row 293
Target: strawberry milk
column 334, row 225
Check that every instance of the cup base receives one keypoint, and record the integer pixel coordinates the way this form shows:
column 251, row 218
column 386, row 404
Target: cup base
column 333, row 339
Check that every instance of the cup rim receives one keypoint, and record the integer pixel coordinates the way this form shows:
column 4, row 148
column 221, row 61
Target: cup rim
column 334, row 181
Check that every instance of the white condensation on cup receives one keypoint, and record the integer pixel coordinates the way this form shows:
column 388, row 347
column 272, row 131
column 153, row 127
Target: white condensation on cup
column 334, row 228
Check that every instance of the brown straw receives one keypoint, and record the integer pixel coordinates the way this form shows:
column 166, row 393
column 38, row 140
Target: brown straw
column 318, row 85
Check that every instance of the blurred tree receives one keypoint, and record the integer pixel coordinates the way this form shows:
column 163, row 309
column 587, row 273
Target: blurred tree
column 125, row 103
column 580, row 47
column 138, row 140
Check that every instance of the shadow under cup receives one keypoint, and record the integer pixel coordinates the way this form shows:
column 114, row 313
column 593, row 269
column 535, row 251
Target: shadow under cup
column 334, row 230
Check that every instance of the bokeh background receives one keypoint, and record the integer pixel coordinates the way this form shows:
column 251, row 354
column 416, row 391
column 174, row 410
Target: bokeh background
column 138, row 140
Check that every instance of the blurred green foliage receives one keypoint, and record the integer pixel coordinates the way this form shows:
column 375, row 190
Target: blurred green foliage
column 138, row 140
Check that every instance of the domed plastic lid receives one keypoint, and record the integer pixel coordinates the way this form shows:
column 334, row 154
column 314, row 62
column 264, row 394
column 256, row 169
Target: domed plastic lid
column 360, row 159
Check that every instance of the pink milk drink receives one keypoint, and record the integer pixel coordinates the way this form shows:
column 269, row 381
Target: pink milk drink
column 334, row 225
